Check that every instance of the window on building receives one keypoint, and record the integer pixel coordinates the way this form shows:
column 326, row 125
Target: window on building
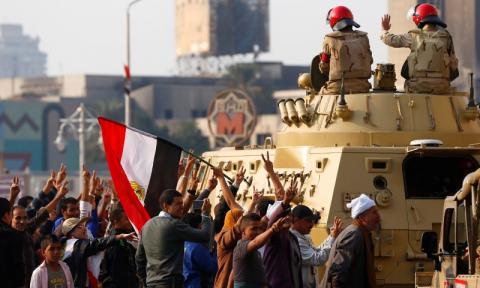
column 435, row 177
column 168, row 114
column 199, row 113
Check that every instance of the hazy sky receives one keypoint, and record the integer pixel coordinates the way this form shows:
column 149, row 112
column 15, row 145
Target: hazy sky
column 88, row 36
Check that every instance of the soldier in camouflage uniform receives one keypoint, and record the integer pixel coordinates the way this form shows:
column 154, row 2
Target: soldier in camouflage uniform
column 432, row 64
column 346, row 52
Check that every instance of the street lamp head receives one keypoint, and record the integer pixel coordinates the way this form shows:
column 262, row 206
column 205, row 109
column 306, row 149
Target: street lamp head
column 100, row 141
column 60, row 142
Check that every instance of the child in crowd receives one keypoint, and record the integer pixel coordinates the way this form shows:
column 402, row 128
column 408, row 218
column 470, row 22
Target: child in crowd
column 52, row 272
column 248, row 270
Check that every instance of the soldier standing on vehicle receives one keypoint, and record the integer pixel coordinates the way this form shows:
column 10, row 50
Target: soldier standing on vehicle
column 432, row 63
column 351, row 260
column 346, row 52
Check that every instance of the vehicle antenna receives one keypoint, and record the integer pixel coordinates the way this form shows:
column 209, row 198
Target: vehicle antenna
column 342, row 101
column 471, row 98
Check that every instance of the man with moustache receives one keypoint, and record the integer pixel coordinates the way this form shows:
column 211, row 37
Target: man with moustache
column 351, row 260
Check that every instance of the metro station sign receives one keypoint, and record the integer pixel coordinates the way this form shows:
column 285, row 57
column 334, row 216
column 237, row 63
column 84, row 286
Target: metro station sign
column 231, row 118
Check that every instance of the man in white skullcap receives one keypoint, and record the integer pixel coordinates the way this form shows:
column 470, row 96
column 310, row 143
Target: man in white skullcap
column 350, row 263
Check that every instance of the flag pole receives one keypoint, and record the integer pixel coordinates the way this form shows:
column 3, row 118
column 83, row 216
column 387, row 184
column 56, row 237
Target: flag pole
column 212, row 166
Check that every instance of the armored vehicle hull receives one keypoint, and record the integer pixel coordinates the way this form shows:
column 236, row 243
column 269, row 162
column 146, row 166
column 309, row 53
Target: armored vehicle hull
column 364, row 145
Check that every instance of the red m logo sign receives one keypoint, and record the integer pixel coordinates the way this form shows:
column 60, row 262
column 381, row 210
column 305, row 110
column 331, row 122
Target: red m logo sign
column 228, row 126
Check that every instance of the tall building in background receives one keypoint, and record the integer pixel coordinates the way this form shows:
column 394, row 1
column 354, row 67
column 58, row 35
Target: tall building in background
column 462, row 18
column 211, row 32
column 19, row 53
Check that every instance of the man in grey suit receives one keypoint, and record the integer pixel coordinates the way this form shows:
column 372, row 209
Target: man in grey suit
column 351, row 260
column 159, row 255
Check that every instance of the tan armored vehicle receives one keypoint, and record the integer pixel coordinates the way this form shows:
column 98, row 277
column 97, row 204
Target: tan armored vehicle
column 456, row 259
column 407, row 151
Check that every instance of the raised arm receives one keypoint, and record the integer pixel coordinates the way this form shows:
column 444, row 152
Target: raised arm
column 257, row 196
column 261, row 239
column 188, row 233
column 227, row 194
column 14, row 190
column 62, row 191
column 212, row 183
column 285, row 204
column 183, row 180
column 277, row 185
column 319, row 256
column 396, row 41
column 189, row 197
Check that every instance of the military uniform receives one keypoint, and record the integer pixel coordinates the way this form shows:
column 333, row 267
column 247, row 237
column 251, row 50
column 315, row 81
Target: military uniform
column 348, row 52
column 432, row 63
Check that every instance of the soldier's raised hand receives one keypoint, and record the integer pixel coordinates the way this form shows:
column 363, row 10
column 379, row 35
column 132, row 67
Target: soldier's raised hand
column 386, row 22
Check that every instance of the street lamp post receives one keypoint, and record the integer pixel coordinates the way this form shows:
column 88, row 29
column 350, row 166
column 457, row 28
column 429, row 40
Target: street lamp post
column 128, row 81
column 81, row 123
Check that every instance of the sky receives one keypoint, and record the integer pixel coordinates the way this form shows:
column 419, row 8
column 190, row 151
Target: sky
column 89, row 36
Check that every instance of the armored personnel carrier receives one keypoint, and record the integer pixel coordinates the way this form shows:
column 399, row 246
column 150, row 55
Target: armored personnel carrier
column 408, row 152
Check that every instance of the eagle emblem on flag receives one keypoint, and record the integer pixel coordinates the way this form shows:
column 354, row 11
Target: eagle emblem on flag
column 138, row 189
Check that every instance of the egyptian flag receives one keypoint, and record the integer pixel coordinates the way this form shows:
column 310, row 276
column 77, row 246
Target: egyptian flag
column 142, row 166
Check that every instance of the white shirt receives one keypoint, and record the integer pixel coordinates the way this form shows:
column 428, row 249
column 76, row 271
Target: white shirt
column 312, row 257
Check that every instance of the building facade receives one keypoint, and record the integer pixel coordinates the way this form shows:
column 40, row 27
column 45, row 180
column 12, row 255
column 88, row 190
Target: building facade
column 19, row 53
column 221, row 27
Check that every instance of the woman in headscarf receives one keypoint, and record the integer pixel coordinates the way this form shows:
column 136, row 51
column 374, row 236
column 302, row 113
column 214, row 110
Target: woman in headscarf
column 226, row 242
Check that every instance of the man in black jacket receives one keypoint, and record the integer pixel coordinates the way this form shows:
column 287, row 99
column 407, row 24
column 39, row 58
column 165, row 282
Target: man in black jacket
column 78, row 248
column 26, row 227
column 118, row 268
column 159, row 255
column 12, row 267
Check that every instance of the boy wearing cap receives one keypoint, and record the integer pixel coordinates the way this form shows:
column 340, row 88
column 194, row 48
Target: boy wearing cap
column 79, row 248
column 351, row 261
column 312, row 257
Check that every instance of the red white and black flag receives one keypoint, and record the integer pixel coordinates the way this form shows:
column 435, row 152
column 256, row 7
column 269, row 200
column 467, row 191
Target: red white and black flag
column 142, row 166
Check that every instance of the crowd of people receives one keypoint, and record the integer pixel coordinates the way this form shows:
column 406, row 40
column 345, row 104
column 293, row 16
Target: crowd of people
column 87, row 240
